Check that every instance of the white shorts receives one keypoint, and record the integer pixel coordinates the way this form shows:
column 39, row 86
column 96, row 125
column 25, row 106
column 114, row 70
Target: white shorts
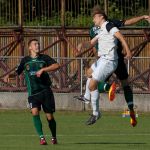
column 103, row 68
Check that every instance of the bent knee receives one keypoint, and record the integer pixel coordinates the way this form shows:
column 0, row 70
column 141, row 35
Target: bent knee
column 93, row 85
column 89, row 73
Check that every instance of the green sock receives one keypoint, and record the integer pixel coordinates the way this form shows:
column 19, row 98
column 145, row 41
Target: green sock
column 38, row 125
column 103, row 87
column 52, row 126
column 128, row 96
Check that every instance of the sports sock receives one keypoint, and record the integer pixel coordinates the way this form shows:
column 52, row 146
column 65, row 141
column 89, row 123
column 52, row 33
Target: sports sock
column 87, row 91
column 128, row 94
column 38, row 125
column 103, row 87
column 52, row 126
column 95, row 102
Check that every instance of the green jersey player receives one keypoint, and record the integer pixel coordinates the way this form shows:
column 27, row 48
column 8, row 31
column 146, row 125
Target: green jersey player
column 36, row 67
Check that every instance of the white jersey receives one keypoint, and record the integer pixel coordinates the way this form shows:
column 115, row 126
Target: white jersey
column 107, row 42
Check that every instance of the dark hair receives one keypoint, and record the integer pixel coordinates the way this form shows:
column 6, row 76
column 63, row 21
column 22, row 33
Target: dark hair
column 97, row 10
column 32, row 41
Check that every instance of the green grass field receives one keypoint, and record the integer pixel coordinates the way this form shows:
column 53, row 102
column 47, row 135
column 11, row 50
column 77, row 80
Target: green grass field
column 111, row 132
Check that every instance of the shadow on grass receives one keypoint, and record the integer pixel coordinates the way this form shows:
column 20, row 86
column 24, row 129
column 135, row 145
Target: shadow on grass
column 111, row 143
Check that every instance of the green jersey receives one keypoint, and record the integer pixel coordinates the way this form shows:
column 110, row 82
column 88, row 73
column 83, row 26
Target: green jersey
column 30, row 66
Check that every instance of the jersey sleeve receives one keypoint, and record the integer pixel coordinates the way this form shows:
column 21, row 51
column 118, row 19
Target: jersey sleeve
column 91, row 33
column 118, row 23
column 20, row 67
column 111, row 28
column 114, row 30
column 49, row 60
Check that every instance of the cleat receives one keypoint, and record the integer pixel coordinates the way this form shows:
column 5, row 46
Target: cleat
column 82, row 98
column 43, row 141
column 92, row 119
column 111, row 93
column 133, row 121
column 54, row 141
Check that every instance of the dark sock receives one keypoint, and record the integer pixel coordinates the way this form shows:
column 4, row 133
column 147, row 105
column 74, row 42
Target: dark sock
column 103, row 87
column 52, row 126
column 38, row 125
column 128, row 96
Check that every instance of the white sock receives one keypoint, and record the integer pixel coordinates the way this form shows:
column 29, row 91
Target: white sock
column 87, row 91
column 95, row 102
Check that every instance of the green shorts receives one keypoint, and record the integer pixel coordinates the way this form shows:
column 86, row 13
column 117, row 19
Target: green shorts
column 44, row 99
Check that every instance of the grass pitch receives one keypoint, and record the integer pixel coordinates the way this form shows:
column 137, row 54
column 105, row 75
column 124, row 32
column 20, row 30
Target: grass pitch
column 111, row 132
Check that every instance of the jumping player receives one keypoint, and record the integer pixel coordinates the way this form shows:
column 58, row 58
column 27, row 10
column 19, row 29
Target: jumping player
column 121, row 71
column 108, row 58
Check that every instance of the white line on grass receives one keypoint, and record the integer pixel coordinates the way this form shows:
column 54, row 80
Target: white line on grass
column 76, row 135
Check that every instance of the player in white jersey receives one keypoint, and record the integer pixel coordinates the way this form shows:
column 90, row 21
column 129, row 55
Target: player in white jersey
column 107, row 63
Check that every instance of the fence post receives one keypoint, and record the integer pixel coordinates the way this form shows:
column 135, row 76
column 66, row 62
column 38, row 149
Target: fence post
column 63, row 13
column 20, row 13
column 106, row 6
column 149, row 7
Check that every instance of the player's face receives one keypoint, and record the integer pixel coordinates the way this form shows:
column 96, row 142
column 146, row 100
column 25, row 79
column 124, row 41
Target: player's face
column 34, row 47
column 97, row 19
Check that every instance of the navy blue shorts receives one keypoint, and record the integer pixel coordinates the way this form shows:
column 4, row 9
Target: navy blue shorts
column 44, row 99
column 121, row 71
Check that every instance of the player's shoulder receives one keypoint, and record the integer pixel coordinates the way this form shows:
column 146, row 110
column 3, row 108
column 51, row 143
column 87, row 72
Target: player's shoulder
column 25, row 59
column 44, row 56
column 118, row 23
column 109, row 26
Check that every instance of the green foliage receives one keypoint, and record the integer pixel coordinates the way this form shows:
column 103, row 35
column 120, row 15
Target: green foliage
column 114, row 12
column 6, row 22
column 82, row 21
column 78, row 16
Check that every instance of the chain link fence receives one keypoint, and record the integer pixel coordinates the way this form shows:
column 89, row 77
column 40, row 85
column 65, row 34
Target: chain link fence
column 71, row 77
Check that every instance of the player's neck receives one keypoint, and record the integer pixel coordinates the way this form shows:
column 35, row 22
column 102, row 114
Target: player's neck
column 103, row 20
column 34, row 55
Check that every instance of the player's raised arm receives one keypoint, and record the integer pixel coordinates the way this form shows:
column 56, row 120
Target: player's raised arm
column 136, row 19
column 121, row 38
column 87, row 44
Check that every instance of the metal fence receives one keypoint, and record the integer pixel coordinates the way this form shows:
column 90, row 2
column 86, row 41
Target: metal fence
column 71, row 77
column 69, row 13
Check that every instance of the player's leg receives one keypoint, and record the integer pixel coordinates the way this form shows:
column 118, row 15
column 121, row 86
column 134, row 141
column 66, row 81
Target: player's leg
column 86, row 97
column 35, row 107
column 102, row 70
column 128, row 94
column 122, row 74
column 94, row 101
column 49, row 108
column 52, row 127
column 106, row 87
column 87, row 91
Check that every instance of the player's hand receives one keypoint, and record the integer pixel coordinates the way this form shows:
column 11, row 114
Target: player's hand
column 79, row 47
column 6, row 79
column 38, row 73
column 128, row 55
column 147, row 18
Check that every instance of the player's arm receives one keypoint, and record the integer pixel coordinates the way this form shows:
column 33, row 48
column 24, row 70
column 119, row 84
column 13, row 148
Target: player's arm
column 51, row 66
column 18, row 70
column 121, row 38
column 136, row 19
column 48, row 69
column 87, row 44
